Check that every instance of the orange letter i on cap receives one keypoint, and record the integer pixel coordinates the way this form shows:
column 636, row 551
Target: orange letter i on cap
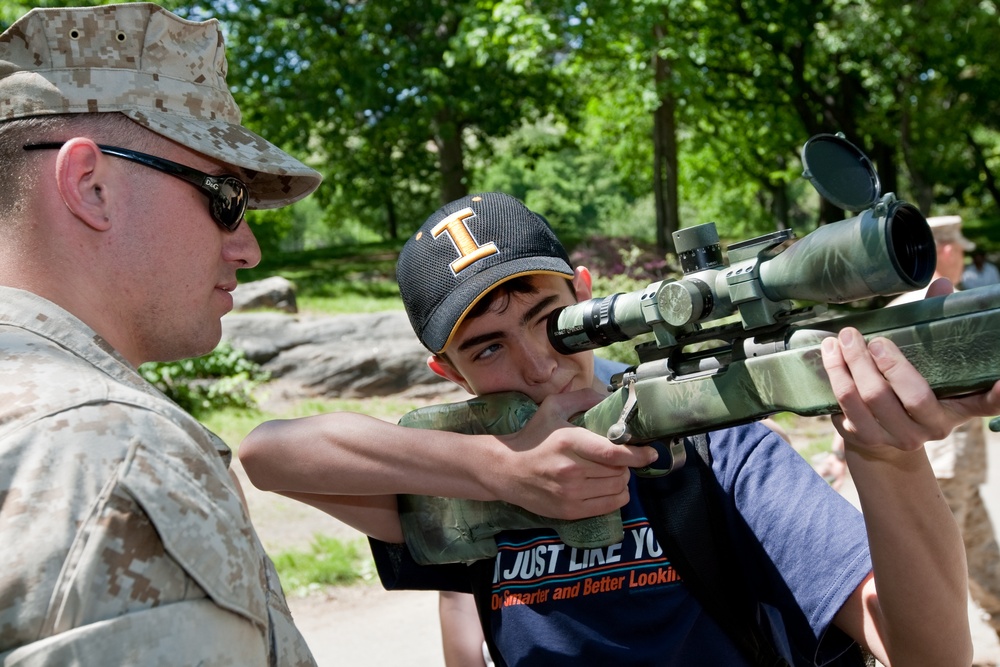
column 470, row 251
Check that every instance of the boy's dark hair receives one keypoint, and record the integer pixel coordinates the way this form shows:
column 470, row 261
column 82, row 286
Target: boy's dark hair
column 503, row 292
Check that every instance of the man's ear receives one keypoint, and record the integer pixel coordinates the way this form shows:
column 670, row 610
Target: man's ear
column 441, row 367
column 82, row 175
column 582, row 283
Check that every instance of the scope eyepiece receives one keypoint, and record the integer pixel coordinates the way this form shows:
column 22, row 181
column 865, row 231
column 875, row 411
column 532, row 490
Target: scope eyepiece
column 592, row 325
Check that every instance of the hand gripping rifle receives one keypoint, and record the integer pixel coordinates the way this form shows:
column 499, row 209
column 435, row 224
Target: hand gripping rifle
column 730, row 346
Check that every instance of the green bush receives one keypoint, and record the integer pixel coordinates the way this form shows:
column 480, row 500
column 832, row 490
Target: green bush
column 225, row 378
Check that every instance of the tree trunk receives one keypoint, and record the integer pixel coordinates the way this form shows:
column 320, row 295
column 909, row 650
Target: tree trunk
column 923, row 186
column 392, row 224
column 885, row 165
column 451, row 159
column 989, row 180
column 664, row 148
column 779, row 199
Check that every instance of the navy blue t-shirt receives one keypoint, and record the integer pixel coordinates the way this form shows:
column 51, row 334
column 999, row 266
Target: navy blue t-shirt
column 801, row 550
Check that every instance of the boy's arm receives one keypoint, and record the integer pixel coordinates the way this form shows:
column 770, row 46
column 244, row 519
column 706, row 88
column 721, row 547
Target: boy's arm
column 912, row 610
column 550, row 467
column 375, row 516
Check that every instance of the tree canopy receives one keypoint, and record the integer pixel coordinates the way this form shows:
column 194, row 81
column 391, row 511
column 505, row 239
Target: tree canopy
column 627, row 116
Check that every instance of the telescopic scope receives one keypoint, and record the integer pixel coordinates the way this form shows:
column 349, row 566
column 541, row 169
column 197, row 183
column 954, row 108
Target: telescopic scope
column 885, row 250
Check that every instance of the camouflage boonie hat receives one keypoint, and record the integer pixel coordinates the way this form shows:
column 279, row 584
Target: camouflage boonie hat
column 165, row 73
column 948, row 229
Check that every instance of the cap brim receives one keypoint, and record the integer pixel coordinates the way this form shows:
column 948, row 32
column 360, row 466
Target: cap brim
column 442, row 325
column 275, row 178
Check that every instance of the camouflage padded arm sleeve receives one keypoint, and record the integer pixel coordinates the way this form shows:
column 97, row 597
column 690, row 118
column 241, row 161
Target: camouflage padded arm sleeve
column 452, row 530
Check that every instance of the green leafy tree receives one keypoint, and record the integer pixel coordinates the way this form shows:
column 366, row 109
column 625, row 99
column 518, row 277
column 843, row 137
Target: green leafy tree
column 390, row 97
column 672, row 111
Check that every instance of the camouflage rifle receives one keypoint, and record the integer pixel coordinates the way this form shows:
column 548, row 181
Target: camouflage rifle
column 761, row 355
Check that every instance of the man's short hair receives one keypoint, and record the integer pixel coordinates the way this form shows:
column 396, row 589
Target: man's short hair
column 17, row 182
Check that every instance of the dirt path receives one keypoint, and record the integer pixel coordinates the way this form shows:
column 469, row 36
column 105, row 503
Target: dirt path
column 360, row 625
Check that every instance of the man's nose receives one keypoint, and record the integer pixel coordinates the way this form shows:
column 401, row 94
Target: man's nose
column 241, row 246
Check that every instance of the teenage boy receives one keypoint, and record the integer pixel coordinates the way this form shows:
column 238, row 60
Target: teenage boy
column 479, row 280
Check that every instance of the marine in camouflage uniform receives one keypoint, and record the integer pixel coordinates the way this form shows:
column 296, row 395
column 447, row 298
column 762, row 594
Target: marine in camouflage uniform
column 123, row 535
column 959, row 462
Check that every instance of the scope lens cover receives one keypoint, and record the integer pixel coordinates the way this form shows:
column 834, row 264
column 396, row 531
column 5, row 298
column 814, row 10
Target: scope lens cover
column 840, row 172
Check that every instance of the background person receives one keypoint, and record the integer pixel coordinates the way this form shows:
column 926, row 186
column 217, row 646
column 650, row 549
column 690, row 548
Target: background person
column 979, row 272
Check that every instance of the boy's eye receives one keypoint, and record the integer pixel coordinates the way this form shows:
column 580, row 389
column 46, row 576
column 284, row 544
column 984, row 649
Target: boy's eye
column 487, row 352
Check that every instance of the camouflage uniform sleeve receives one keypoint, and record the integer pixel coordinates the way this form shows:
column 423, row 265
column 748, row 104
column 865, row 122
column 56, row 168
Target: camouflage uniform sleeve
column 199, row 633
column 961, row 455
column 130, row 533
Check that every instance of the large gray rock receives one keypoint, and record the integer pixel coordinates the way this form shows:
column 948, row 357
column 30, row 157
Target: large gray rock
column 348, row 356
column 274, row 292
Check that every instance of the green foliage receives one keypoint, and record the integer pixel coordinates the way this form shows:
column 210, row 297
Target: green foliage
column 387, row 98
column 539, row 164
column 403, row 104
column 327, row 562
column 223, row 378
column 337, row 279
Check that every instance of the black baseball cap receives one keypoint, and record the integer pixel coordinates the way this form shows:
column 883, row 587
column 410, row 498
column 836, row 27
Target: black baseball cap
column 465, row 249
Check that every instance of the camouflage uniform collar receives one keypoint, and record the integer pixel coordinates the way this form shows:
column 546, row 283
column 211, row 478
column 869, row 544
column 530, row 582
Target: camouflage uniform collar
column 25, row 310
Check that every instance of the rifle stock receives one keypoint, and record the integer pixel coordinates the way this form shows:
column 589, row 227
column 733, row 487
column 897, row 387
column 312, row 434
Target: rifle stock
column 953, row 341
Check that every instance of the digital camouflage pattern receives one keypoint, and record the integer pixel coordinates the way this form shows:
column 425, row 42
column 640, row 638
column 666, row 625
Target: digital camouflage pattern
column 449, row 530
column 125, row 540
column 953, row 341
column 959, row 462
column 163, row 72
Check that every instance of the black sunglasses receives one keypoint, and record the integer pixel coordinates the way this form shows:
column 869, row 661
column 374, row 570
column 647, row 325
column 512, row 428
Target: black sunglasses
column 227, row 195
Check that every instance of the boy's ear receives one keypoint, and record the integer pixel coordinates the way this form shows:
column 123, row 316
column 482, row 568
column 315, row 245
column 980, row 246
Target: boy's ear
column 582, row 283
column 81, row 176
column 441, row 367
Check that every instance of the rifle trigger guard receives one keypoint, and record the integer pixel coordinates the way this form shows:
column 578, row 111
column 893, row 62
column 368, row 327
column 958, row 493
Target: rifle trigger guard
column 619, row 432
column 672, row 457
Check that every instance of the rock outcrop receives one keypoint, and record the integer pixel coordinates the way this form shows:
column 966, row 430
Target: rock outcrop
column 346, row 356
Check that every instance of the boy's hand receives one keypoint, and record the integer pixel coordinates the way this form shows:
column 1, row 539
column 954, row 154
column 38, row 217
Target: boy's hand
column 564, row 471
column 888, row 407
